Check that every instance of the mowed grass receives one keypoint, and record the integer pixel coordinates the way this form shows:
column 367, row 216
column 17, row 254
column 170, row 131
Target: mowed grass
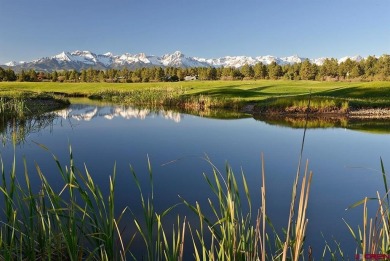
column 247, row 90
column 222, row 94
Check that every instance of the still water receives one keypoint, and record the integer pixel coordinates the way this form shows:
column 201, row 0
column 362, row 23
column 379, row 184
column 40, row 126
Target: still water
column 345, row 162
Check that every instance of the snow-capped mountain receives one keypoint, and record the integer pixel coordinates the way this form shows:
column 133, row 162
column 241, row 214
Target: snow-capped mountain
column 79, row 60
column 14, row 63
column 356, row 58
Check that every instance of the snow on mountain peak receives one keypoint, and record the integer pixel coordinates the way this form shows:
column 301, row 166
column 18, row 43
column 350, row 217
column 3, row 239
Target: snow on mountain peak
column 293, row 59
column 62, row 57
column 12, row 63
column 178, row 54
column 109, row 54
column 356, row 58
column 84, row 59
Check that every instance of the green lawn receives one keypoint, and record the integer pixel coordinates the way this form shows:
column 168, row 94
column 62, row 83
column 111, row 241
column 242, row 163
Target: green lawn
column 243, row 90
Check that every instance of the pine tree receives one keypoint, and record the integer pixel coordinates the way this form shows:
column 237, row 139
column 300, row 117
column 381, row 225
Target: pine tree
column 158, row 74
column 260, row 71
column 2, row 74
column 212, row 73
column 9, row 75
column 54, row 76
column 382, row 67
column 274, row 70
column 21, row 76
column 329, row 68
column 345, row 68
column 247, row 71
column 308, row 71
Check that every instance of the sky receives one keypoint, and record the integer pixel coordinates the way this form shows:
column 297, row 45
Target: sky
column 203, row 28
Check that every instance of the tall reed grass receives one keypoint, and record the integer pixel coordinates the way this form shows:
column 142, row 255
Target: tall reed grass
column 171, row 97
column 298, row 104
column 78, row 222
column 26, row 114
column 373, row 237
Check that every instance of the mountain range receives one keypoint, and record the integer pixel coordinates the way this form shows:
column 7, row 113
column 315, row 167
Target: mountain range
column 79, row 60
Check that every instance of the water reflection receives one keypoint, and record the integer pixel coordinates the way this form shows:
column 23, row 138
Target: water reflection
column 16, row 130
column 379, row 126
column 88, row 112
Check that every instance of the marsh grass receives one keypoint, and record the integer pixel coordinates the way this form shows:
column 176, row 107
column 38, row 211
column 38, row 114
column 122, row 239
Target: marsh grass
column 74, row 223
column 78, row 222
column 239, row 233
column 168, row 97
column 299, row 105
column 373, row 237
column 27, row 113
column 152, row 232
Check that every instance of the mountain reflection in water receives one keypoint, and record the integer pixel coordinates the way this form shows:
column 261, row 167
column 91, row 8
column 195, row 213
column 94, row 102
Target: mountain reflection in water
column 88, row 112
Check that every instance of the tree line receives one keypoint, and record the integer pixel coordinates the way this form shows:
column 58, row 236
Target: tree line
column 369, row 69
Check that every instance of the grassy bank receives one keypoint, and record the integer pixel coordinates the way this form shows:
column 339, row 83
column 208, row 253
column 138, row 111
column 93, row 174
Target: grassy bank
column 26, row 113
column 246, row 90
column 28, row 103
column 327, row 96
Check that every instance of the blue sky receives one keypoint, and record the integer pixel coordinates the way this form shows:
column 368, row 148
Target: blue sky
column 203, row 28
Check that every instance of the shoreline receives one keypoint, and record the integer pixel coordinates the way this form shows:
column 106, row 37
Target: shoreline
column 361, row 113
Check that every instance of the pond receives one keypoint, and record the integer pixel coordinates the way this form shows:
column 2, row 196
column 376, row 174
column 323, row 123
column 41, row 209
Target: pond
column 344, row 158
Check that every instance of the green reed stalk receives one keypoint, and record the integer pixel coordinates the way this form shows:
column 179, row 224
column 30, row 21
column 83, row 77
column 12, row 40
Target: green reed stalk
column 233, row 235
column 148, row 210
column 374, row 236
column 152, row 232
column 78, row 222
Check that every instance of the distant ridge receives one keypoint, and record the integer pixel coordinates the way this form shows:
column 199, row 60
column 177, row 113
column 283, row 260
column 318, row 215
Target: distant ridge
column 79, row 60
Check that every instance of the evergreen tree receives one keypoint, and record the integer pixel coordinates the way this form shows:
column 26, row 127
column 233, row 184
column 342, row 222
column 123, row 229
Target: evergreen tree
column 357, row 71
column 274, row 70
column 308, row 71
column 227, row 73
column 180, row 73
column 2, row 74
column 219, row 73
column 260, row 71
column 32, row 75
column 21, row 76
column 247, row 71
column 83, row 76
column 345, row 68
column 329, row 68
column 90, row 75
column 159, row 74
column 236, row 74
column 101, row 76
column 203, row 74
column 291, row 71
column 54, row 76
column 73, row 75
column 9, row 75
column 369, row 66
column 382, row 67
column 66, row 75
column 136, row 76
column 212, row 73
